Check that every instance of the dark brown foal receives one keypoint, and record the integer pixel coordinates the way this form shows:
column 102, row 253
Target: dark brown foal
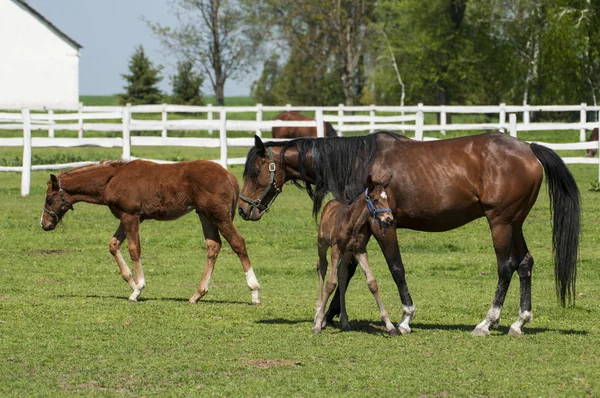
column 347, row 229
column 139, row 190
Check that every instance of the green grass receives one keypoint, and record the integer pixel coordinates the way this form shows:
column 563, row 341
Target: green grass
column 67, row 328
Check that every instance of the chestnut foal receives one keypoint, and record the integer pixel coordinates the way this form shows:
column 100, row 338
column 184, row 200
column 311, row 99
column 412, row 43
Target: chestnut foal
column 347, row 229
column 138, row 190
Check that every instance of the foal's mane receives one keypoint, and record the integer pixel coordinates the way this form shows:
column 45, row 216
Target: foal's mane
column 341, row 164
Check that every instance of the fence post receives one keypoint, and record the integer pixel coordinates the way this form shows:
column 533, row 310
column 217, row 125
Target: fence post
column 52, row 123
column 443, row 119
column 340, row 122
column 259, row 115
column 502, row 117
column 164, row 121
column 372, row 115
column 419, row 126
column 209, row 116
column 223, row 136
column 80, row 110
column 288, row 107
column 583, row 117
column 513, row 124
column 26, row 169
column 126, row 132
column 320, row 125
column 525, row 113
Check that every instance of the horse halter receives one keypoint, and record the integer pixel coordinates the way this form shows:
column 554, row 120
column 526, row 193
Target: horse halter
column 269, row 189
column 373, row 211
column 58, row 215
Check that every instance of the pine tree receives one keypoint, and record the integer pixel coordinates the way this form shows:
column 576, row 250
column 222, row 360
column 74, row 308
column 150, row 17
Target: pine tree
column 187, row 85
column 142, row 82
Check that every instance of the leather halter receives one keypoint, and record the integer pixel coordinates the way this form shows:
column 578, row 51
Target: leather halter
column 373, row 211
column 260, row 203
column 58, row 215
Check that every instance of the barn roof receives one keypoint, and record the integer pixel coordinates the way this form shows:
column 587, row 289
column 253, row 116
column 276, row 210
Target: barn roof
column 49, row 24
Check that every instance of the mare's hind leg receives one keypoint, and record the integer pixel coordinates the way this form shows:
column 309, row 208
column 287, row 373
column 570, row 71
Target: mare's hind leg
column 524, row 271
column 506, row 256
column 363, row 260
column 237, row 243
column 132, row 231
column 342, row 284
column 115, row 249
column 213, row 247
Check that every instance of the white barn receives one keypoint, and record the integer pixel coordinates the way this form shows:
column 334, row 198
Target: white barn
column 39, row 64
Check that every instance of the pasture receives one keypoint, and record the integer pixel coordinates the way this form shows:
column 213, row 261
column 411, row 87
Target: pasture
column 66, row 326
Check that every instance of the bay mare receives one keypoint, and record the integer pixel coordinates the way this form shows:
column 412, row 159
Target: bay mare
column 590, row 153
column 139, row 190
column 434, row 186
column 296, row 132
column 346, row 229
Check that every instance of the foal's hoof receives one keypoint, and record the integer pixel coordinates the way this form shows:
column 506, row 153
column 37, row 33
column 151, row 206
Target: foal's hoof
column 480, row 332
column 346, row 327
column 132, row 299
column 393, row 332
column 316, row 329
column 514, row 331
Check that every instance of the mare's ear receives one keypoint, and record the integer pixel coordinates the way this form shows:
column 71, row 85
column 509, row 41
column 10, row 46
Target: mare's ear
column 387, row 180
column 54, row 181
column 259, row 144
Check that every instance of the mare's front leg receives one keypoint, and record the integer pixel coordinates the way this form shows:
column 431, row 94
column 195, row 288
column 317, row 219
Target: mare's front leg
column 115, row 249
column 363, row 260
column 238, row 245
column 391, row 251
column 132, row 231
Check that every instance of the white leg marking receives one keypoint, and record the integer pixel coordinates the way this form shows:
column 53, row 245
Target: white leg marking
column 524, row 318
column 253, row 285
column 408, row 314
column 492, row 319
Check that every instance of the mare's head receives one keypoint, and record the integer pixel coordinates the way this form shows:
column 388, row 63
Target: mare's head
column 56, row 204
column 378, row 203
column 263, row 179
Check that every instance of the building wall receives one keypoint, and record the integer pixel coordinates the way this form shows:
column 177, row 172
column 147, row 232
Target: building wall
column 38, row 69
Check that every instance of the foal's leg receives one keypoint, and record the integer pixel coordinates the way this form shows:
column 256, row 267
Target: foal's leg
column 391, row 251
column 132, row 231
column 213, row 246
column 329, row 288
column 115, row 249
column 372, row 283
column 322, row 271
column 237, row 243
column 524, row 271
column 507, row 264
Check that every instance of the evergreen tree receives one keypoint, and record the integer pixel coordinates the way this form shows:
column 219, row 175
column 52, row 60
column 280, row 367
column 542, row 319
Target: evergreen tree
column 142, row 81
column 187, row 85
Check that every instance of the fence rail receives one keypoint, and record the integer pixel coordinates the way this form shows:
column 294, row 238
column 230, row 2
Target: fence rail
column 404, row 119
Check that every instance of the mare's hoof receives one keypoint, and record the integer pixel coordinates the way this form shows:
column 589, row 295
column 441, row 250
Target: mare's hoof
column 514, row 331
column 480, row 332
column 404, row 329
column 255, row 302
column 346, row 328
column 393, row 332
column 316, row 329
column 132, row 299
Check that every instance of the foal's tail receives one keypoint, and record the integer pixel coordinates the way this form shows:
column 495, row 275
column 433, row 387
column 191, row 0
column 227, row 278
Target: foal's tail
column 564, row 203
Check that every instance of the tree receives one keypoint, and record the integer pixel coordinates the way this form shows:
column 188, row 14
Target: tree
column 187, row 85
column 210, row 35
column 142, row 81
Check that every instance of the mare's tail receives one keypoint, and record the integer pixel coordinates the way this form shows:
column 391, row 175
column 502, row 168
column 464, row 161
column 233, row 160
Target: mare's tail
column 565, row 206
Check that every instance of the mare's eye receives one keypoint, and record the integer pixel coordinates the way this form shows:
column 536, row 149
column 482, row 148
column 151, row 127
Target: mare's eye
column 49, row 200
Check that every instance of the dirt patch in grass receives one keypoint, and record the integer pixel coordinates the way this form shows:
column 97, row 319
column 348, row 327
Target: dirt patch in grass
column 49, row 251
column 268, row 363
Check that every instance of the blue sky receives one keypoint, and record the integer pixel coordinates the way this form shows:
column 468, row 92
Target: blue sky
column 109, row 31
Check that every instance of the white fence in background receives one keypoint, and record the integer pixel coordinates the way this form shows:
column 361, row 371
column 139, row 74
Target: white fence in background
column 404, row 119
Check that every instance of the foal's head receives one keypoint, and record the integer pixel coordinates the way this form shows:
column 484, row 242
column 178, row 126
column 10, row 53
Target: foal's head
column 57, row 203
column 378, row 203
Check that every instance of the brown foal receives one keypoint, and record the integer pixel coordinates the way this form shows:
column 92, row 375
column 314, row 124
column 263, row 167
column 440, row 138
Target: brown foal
column 347, row 229
column 138, row 190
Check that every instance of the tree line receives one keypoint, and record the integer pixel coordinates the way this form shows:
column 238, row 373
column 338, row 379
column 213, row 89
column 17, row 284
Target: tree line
column 443, row 52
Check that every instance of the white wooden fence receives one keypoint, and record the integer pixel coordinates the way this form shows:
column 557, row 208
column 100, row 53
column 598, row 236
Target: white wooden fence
column 405, row 119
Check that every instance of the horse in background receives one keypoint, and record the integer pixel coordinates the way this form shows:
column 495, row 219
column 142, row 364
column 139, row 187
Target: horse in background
column 296, row 132
column 346, row 229
column 590, row 153
column 140, row 190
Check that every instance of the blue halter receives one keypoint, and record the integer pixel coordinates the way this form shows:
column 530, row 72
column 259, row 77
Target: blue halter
column 373, row 211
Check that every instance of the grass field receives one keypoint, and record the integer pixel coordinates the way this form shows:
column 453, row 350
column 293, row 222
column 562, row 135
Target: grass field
column 67, row 328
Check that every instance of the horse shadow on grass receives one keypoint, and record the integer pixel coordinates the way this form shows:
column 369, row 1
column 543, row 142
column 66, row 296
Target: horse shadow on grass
column 150, row 299
column 372, row 327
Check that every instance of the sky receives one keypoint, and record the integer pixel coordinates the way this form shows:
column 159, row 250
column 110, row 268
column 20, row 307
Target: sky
column 109, row 31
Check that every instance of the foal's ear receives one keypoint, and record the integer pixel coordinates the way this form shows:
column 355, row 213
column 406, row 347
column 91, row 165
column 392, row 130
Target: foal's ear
column 370, row 183
column 54, row 181
column 259, row 144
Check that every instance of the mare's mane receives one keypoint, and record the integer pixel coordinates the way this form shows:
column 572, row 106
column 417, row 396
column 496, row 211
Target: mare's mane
column 341, row 164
